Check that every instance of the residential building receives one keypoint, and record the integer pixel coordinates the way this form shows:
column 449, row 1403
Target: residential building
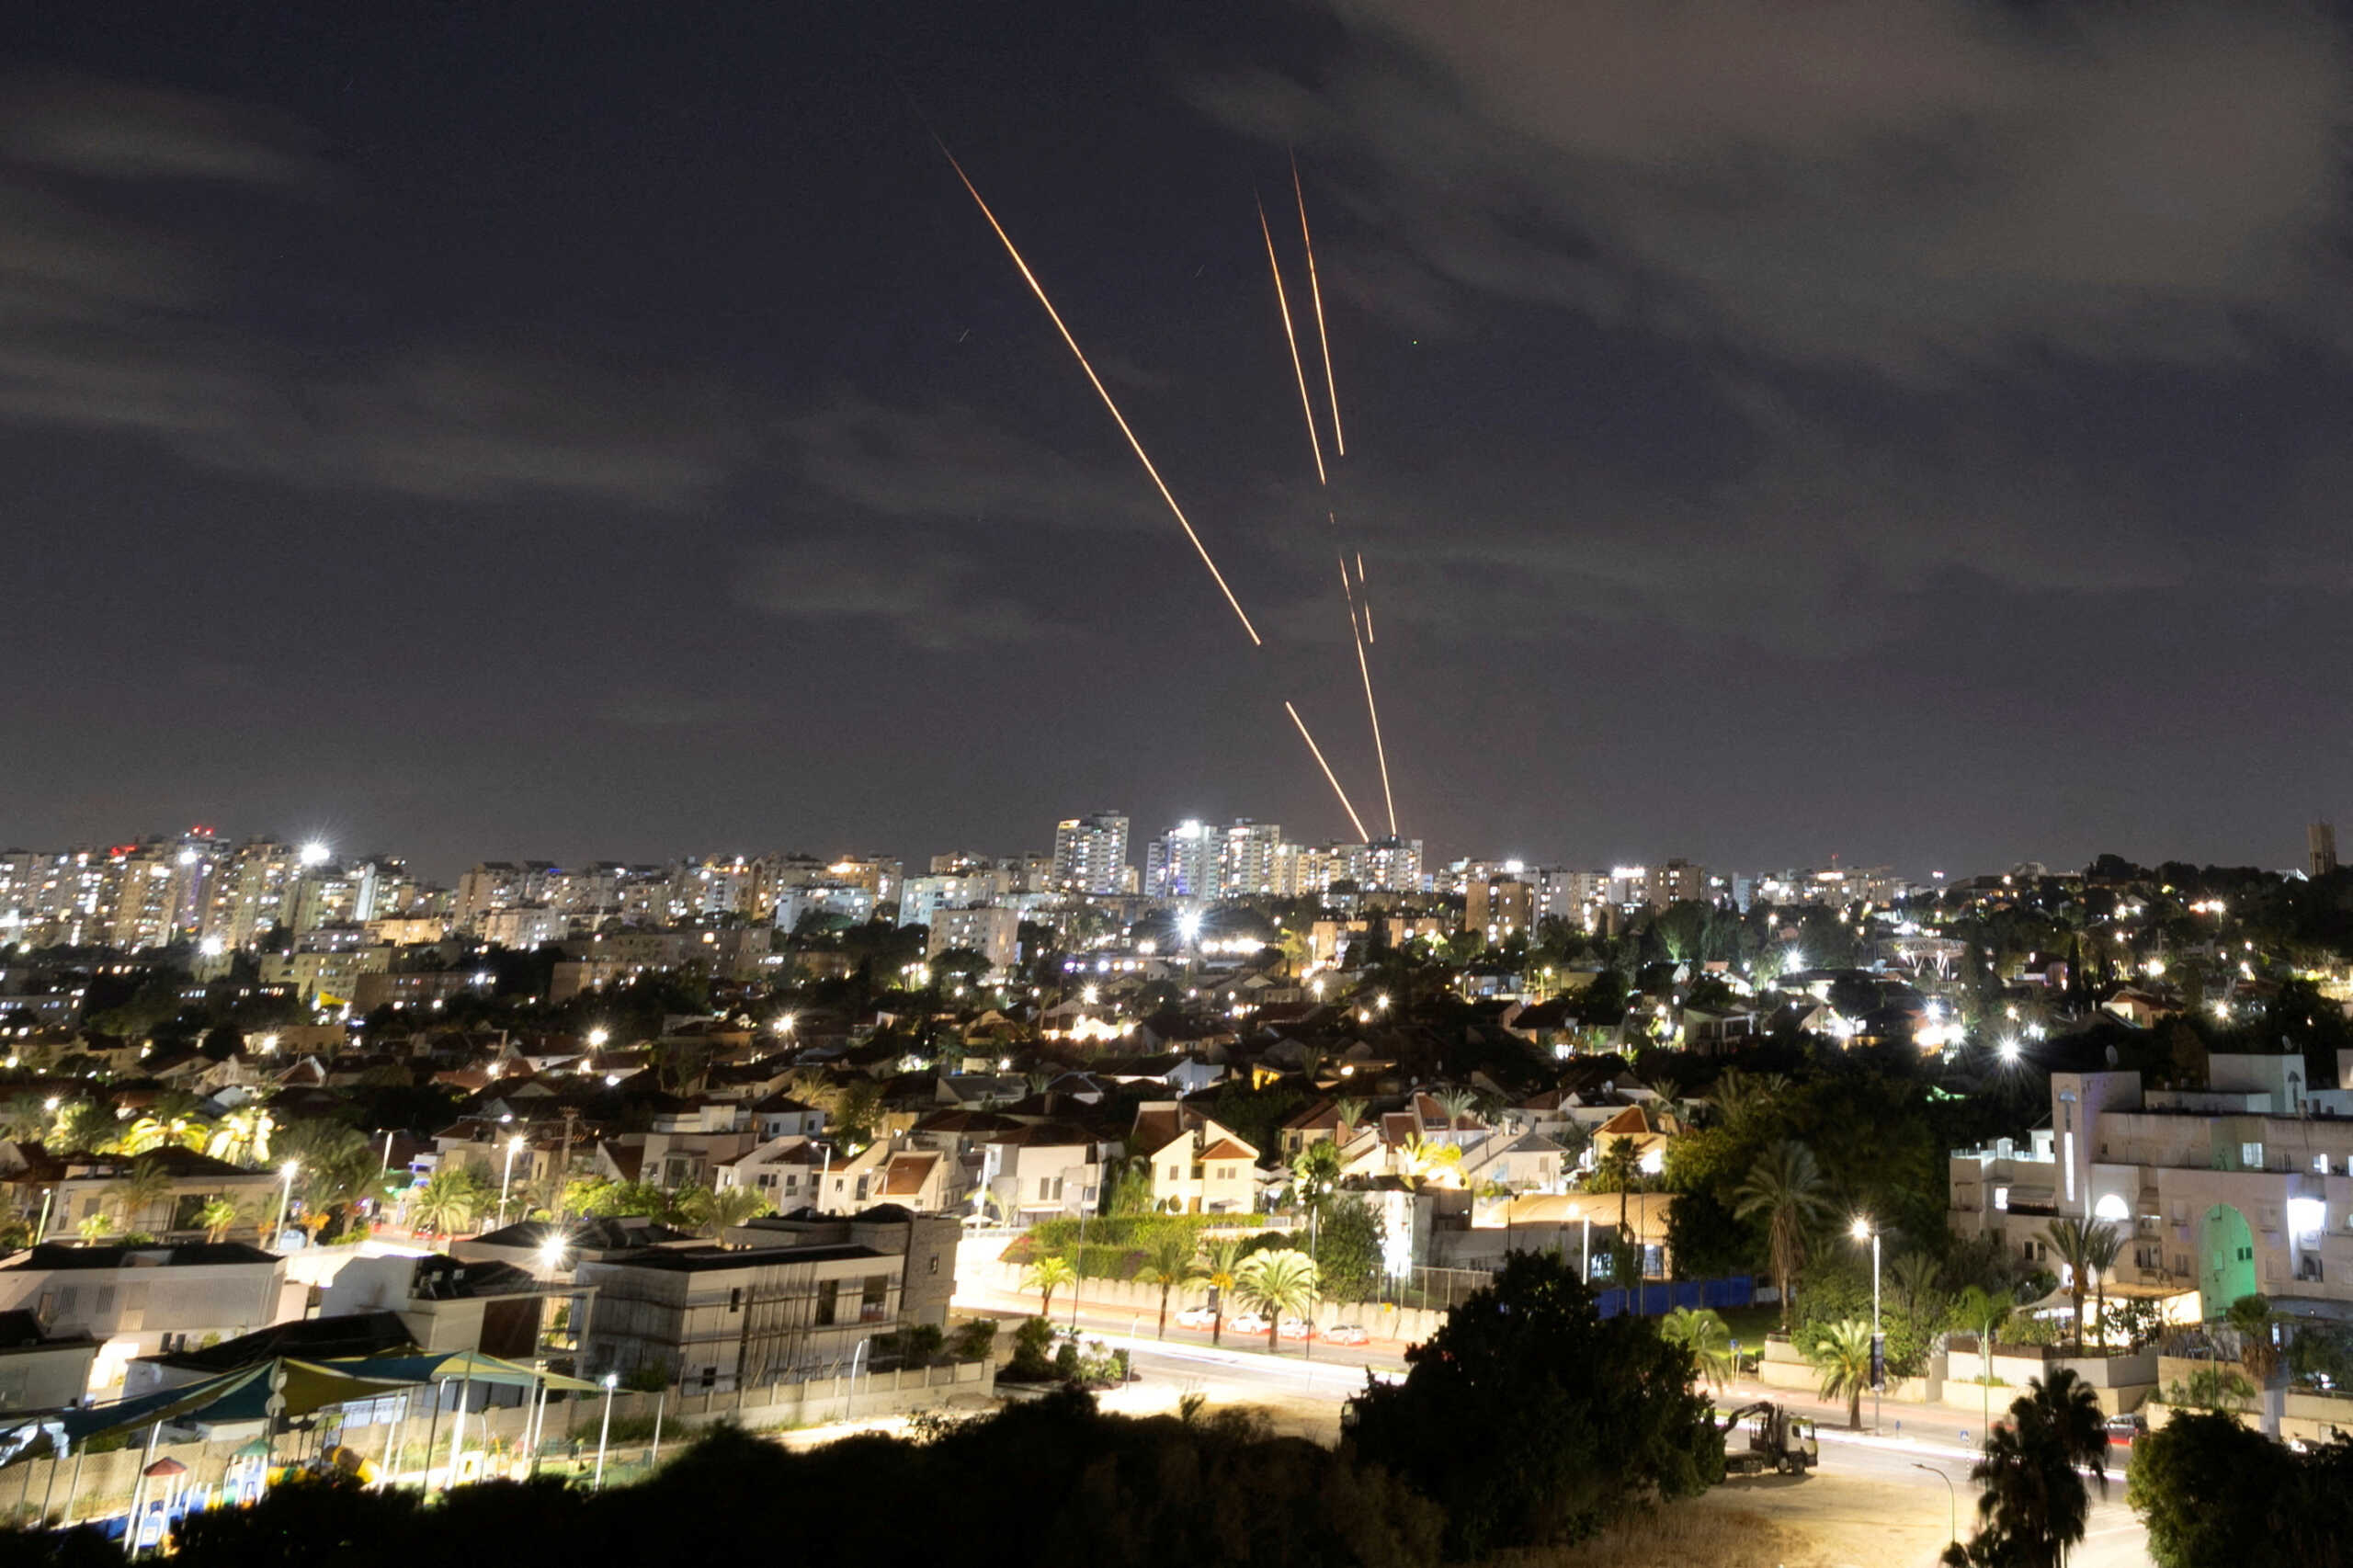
column 1499, row 908
column 720, row 1319
column 139, row 1301
column 994, row 933
column 2320, row 845
column 39, row 1370
column 1198, row 1165
column 2245, row 1187
column 1091, row 854
column 1183, row 863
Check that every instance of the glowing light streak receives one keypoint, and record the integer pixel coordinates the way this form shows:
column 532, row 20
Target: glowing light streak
column 1329, row 776
column 1291, row 337
column 1096, row 382
column 1315, row 292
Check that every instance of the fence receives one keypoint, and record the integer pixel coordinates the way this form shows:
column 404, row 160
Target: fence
column 1656, row 1297
column 98, row 1486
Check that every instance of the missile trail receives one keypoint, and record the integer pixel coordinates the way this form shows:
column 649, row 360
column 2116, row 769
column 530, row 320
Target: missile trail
column 1361, row 834
column 1372, row 711
column 1316, row 292
column 1055, row 316
column 1298, row 369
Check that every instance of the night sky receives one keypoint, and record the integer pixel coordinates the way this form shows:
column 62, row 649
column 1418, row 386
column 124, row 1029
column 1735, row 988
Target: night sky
column 1911, row 430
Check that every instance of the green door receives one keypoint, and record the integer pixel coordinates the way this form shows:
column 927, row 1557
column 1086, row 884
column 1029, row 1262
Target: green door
column 2225, row 1260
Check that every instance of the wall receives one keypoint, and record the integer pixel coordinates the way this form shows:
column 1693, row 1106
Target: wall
column 1410, row 1324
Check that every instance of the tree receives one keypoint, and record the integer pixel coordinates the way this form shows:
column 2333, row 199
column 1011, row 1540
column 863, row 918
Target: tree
column 1842, row 1354
column 139, row 1190
column 2077, row 1243
column 24, row 1118
column 219, row 1216
column 1219, row 1266
column 1706, row 1337
column 448, row 1201
column 1421, row 1161
column 1785, row 1186
column 2034, row 1506
column 2102, row 1246
column 1532, row 1421
column 1316, row 1173
column 1167, row 1263
column 1619, row 1170
column 335, row 1165
column 2212, row 1491
column 1046, row 1275
column 1348, row 1250
column 711, row 1212
column 1278, row 1284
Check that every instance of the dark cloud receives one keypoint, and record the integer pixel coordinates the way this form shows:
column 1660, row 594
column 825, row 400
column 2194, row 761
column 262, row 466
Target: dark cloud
column 128, row 325
column 910, row 587
column 1898, row 185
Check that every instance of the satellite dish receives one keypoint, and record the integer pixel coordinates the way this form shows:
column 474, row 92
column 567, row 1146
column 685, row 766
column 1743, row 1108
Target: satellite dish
column 2111, row 1056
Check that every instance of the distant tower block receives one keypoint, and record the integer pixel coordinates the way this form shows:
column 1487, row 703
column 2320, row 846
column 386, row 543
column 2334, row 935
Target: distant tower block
column 2320, row 843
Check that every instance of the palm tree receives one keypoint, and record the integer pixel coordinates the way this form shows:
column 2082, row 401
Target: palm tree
column 145, row 1185
column 1843, row 1357
column 1619, row 1170
column 1706, row 1337
column 2034, row 1506
column 240, row 1135
column 2100, row 1249
column 1350, row 1110
column 1276, row 1284
column 220, row 1215
column 336, row 1165
column 1219, row 1269
column 1786, row 1186
column 447, row 1202
column 1457, row 1104
column 1420, row 1160
column 1167, row 1263
column 2072, row 1242
column 97, row 1228
column 714, row 1212
column 1047, row 1275
column 24, row 1118
column 86, row 1127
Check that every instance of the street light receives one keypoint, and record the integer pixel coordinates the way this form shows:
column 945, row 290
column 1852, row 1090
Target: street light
column 598, row 1037
column 1862, row 1229
column 514, row 1147
column 286, row 1199
column 1952, row 1508
column 611, row 1381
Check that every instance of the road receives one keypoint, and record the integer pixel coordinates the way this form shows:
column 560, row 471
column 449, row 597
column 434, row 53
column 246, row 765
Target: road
column 1877, row 1499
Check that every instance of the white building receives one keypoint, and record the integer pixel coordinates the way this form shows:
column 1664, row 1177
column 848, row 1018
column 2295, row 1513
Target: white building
column 1091, row 854
column 2243, row 1187
column 994, row 933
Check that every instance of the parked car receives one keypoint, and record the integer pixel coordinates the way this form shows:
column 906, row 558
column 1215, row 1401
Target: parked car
column 1346, row 1333
column 1197, row 1317
column 2122, row 1430
column 1298, row 1328
column 1247, row 1323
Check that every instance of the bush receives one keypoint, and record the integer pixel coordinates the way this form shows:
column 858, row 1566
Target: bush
column 913, row 1345
column 974, row 1341
column 1031, row 1342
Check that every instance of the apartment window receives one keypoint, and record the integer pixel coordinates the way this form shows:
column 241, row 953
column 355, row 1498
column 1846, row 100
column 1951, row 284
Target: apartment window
column 861, row 1189
column 934, row 1266
column 1045, row 1188
column 2000, row 1197
column 1175, row 1173
column 2251, row 1156
column 735, row 1300
column 873, row 1301
column 2320, row 1164
column 828, row 1302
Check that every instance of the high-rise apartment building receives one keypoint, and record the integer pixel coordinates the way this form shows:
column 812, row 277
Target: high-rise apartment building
column 2320, row 844
column 1184, row 862
column 1246, row 862
column 1091, row 854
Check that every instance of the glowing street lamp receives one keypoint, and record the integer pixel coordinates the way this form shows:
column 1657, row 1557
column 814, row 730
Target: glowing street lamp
column 611, row 1381
column 1864, row 1230
column 598, row 1037
column 514, row 1147
column 286, row 1199
column 314, row 853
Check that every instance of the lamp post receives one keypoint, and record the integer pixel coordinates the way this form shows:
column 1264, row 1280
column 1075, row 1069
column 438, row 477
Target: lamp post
column 611, row 1381
column 286, row 1199
column 1863, row 1228
column 514, row 1147
column 1952, row 1508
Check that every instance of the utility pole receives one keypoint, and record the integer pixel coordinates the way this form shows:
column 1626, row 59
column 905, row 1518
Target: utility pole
column 563, row 1170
